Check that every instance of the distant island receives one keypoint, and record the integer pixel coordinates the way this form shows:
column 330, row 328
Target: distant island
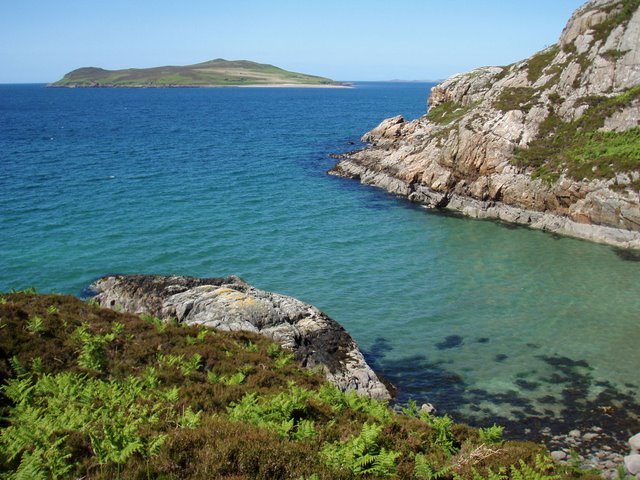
column 214, row 73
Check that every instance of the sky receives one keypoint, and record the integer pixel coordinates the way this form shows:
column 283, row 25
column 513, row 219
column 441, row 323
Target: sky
column 41, row 40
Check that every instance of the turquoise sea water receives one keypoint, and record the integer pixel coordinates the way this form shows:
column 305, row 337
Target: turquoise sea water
column 481, row 319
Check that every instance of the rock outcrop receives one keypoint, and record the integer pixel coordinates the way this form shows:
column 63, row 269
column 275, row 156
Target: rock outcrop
column 232, row 304
column 540, row 142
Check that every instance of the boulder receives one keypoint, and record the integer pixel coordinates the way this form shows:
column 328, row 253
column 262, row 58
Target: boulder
column 232, row 304
column 632, row 463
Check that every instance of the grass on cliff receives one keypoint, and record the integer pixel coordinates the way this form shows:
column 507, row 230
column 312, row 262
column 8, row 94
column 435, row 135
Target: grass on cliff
column 95, row 394
column 539, row 62
column 447, row 112
column 626, row 9
column 579, row 149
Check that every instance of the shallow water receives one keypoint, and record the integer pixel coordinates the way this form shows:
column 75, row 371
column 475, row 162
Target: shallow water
column 481, row 319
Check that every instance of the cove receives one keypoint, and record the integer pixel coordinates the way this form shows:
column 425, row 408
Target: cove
column 486, row 321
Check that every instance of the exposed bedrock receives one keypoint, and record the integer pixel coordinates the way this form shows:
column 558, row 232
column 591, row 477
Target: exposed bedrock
column 472, row 152
column 232, row 304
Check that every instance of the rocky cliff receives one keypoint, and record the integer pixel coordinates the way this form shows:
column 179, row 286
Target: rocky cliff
column 552, row 141
column 232, row 304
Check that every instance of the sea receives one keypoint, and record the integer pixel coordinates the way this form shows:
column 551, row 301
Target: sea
column 486, row 321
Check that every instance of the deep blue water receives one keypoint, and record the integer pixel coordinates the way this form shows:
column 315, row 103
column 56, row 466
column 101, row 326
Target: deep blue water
column 480, row 319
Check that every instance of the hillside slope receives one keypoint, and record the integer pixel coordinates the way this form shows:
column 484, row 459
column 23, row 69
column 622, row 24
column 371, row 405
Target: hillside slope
column 552, row 141
column 92, row 393
column 218, row 72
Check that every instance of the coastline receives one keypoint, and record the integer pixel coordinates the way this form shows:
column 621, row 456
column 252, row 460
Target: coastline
column 260, row 85
column 348, row 167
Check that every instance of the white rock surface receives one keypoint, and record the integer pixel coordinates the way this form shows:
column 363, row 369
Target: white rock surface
column 632, row 463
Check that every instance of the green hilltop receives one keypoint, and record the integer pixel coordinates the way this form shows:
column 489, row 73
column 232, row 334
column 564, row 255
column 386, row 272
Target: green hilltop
column 218, row 72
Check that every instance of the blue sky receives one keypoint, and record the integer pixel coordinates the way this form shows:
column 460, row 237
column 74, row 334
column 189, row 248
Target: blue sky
column 41, row 40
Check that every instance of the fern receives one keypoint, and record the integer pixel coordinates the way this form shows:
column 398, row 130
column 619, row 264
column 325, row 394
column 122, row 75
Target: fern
column 186, row 366
column 426, row 470
column 442, row 427
column 411, row 410
column 361, row 454
column 36, row 365
column 542, row 469
column 25, row 291
column 17, row 367
column 52, row 310
column 305, row 429
column 235, row 379
column 92, row 355
column 119, row 418
column 92, row 302
column 283, row 360
column 281, row 357
column 491, row 435
column 199, row 338
column 153, row 320
column 190, row 419
column 283, row 413
column 338, row 401
column 35, row 324
column 273, row 350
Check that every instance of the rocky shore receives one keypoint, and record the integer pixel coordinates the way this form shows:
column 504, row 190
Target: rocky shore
column 232, row 304
column 531, row 143
column 603, row 458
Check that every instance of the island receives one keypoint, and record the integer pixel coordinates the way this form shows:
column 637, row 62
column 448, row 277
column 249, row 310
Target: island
column 213, row 73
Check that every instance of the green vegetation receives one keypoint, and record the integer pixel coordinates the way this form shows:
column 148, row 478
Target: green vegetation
column 98, row 394
column 214, row 72
column 579, row 148
column 625, row 8
column 614, row 54
column 516, row 98
column 539, row 62
column 447, row 112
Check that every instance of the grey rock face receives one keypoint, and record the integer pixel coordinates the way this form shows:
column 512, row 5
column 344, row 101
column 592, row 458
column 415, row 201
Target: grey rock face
column 464, row 161
column 232, row 304
column 632, row 463
column 634, row 443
